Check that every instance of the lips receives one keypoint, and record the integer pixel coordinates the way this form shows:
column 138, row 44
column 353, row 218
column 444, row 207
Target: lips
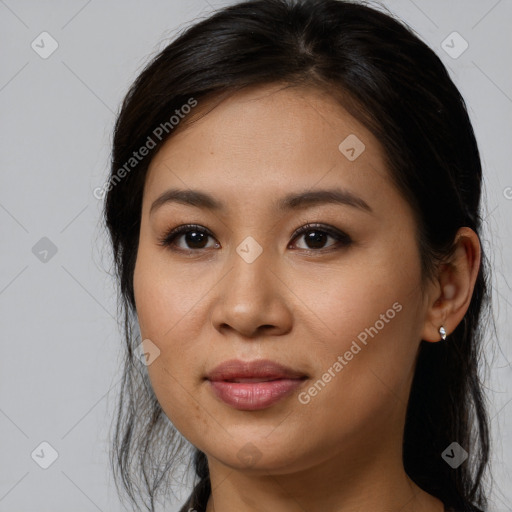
column 253, row 385
column 261, row 370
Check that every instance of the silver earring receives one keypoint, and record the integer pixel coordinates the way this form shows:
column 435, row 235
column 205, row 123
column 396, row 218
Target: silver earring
column 442, row 332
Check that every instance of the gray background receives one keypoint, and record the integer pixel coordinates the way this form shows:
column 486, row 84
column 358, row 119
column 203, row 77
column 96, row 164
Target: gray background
column 60, row 364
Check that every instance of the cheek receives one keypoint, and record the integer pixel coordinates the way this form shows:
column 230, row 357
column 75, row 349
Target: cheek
column 359, row 294
column 164, row 294
column 169, row 314
column 370, row 317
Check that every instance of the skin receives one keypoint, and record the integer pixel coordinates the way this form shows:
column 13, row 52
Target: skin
column 299, row 304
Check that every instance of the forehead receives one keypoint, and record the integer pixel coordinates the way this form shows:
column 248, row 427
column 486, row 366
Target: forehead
column 270, row 139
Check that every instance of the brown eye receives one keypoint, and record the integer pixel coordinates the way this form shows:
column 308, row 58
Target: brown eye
column 194, row 237
column 316, row 236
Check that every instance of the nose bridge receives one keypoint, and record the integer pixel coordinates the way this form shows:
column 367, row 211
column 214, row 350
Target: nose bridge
column 251, row 268
column 251, row 296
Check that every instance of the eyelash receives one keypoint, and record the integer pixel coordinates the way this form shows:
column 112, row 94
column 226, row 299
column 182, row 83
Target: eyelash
column 343, row 240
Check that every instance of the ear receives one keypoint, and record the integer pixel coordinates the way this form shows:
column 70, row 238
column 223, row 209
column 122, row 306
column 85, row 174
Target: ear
column 449, row 296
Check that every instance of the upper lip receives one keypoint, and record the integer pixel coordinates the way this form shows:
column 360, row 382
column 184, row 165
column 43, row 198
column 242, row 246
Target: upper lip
column 263, row 369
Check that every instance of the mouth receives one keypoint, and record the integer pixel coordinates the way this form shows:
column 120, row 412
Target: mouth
column 253, row 379
column 253, row 385
column 260, row 370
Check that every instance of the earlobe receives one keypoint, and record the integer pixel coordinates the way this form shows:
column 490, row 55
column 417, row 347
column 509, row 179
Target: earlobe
column 451, row 294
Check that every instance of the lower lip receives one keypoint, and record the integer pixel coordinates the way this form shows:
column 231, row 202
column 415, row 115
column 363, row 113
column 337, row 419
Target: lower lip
column 251, row 396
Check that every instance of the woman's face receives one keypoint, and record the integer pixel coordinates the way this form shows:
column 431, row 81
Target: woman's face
column 340, row 304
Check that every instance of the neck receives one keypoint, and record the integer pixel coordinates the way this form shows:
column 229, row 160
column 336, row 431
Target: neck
column 378, row 483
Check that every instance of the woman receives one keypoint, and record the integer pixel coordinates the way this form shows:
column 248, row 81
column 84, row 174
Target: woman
column 294, row 210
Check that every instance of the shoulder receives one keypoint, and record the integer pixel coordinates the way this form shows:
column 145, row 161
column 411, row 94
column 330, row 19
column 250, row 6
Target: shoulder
column 466, row 509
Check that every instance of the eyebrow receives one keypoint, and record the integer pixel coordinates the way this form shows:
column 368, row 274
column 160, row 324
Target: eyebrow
column 294, row 201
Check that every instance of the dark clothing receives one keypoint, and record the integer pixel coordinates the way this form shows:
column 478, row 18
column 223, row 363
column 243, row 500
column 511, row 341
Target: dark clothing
column 198, row 508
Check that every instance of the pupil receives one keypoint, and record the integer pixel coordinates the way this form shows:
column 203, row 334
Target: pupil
column 317, row 238
column 195, row 237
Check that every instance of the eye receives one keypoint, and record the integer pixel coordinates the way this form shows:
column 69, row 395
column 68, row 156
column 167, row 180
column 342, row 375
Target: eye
column 316, row 235
column 195, row 237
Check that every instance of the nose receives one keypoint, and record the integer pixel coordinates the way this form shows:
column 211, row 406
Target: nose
column 253, row 299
